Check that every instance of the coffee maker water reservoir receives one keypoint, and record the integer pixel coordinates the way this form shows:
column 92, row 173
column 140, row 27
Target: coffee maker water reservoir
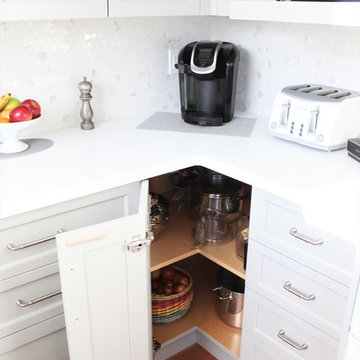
column 207, row 79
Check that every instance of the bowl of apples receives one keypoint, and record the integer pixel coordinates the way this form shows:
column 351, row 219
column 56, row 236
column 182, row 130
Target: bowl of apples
column 15, row 117
column 171, row 294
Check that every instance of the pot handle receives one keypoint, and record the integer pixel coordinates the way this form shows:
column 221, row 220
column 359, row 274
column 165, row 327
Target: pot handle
column 229, row 297
column 243, row 195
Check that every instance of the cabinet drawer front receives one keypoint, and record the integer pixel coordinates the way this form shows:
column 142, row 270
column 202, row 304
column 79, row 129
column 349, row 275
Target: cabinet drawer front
column 25, row 304
column 304, row 292
column 44, row 340
column 281, row 330
column 29, row 231
column 279, row 224
column 253, row 349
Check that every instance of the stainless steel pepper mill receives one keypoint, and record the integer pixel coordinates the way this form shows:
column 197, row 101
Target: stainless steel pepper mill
column 86, row 112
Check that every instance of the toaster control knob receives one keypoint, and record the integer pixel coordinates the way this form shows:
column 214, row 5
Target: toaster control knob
column 314, row 115
column 273, row 125
column 285, row 113
column 320, row 138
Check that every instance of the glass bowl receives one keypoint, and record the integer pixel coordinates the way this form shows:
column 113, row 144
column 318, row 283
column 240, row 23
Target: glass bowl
column 9, row 135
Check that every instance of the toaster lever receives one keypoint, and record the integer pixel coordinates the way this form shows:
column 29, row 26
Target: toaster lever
column 314, row 114
column 285, row 113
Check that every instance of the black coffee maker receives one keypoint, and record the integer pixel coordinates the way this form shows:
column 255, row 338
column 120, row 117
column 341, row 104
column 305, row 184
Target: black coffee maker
column 207, row 78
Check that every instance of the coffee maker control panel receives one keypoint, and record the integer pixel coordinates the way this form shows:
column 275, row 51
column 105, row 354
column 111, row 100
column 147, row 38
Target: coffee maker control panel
column 204, row 57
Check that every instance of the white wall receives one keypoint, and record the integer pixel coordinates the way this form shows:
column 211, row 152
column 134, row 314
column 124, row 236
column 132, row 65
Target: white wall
column 126, row 59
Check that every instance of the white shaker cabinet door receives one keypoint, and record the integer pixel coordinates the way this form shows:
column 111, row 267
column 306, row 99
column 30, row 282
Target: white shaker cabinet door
column 52, row 9
column 127, row 8
column 106, row 287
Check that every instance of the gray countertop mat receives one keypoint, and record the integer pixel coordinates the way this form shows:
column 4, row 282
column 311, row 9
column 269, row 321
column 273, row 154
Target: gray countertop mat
column 35, row 145
column 238, row 126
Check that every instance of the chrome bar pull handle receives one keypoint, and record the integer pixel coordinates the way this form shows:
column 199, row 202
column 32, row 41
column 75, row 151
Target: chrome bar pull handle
column 294, row 344
column 25, row 303
column 307, row 239
column 287, row 286
column 13, row 247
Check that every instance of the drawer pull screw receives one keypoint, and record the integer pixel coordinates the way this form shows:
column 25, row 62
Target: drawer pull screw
column 294, row 344
column 287, row 286
column 307, row 239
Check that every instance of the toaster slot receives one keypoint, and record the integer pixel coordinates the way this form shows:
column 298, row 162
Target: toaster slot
column 339, row 95
column 310, row 89
column 326, row 92
column 298, row 87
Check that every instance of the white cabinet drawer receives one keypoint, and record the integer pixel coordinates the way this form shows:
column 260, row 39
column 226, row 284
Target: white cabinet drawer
column 306, row 293
column 253, row 349
column 285, row 333
column 43, row 223
column 279, row 224
column 32, row 293
column 43, row 341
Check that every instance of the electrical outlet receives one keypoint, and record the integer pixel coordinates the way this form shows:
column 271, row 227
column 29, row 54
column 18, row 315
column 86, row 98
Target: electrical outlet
column 172, row 60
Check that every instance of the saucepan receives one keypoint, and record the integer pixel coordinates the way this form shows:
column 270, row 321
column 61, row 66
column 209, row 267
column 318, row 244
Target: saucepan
column 217, row 194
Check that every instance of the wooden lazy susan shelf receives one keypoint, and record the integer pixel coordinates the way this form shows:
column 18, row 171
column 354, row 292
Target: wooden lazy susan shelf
column 175, row 245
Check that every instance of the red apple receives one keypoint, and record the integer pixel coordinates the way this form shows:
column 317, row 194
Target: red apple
column 20, row 113
column 34, row 107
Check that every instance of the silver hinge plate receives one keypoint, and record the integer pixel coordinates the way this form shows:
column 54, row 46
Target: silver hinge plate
column 136, row 245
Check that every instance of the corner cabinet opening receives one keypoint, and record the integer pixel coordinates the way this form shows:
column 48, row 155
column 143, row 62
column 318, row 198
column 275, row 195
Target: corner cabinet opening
column 175, row 246
column 105, row 271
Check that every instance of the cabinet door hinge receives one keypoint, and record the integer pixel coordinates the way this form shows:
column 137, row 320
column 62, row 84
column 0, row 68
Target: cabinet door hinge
column 136, row 245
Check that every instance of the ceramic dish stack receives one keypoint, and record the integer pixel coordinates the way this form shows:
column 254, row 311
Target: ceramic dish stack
column 168, row 308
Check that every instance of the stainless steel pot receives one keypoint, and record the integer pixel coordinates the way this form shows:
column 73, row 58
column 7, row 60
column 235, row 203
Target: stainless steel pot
column 217, row 193
column 159, row 213
column 230, row 293
column 215, row 201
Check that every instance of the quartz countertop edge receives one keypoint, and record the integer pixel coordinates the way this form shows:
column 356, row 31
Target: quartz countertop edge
column 115, row 153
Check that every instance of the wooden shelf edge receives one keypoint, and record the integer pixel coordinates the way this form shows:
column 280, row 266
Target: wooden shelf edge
column 176, row 242
column 202, row 313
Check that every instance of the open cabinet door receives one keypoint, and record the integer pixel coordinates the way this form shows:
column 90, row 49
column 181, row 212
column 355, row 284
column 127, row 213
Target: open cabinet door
column 106, row 286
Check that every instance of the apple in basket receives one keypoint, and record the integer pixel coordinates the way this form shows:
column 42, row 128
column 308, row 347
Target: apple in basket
column 168, row 281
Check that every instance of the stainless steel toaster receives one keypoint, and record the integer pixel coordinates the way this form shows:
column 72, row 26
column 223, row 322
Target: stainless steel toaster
column 319, row 116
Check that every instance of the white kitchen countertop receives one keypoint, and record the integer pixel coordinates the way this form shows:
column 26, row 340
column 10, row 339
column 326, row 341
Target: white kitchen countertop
column 115, row 153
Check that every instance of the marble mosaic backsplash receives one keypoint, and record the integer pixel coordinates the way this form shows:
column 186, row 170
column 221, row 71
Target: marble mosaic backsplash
column 127, row 62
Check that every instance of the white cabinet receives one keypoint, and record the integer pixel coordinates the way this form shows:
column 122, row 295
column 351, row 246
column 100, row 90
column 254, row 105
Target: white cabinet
column 279, row 224
column 128, row 8
column 310, row 12
column 215, row 7
column 293, row 282
column 96, row 231
column 223, row 8
column 67, row 9
column 106, row 284
column 51, row 9
column 300, row 284
column 283, row 332
column 293, row 286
